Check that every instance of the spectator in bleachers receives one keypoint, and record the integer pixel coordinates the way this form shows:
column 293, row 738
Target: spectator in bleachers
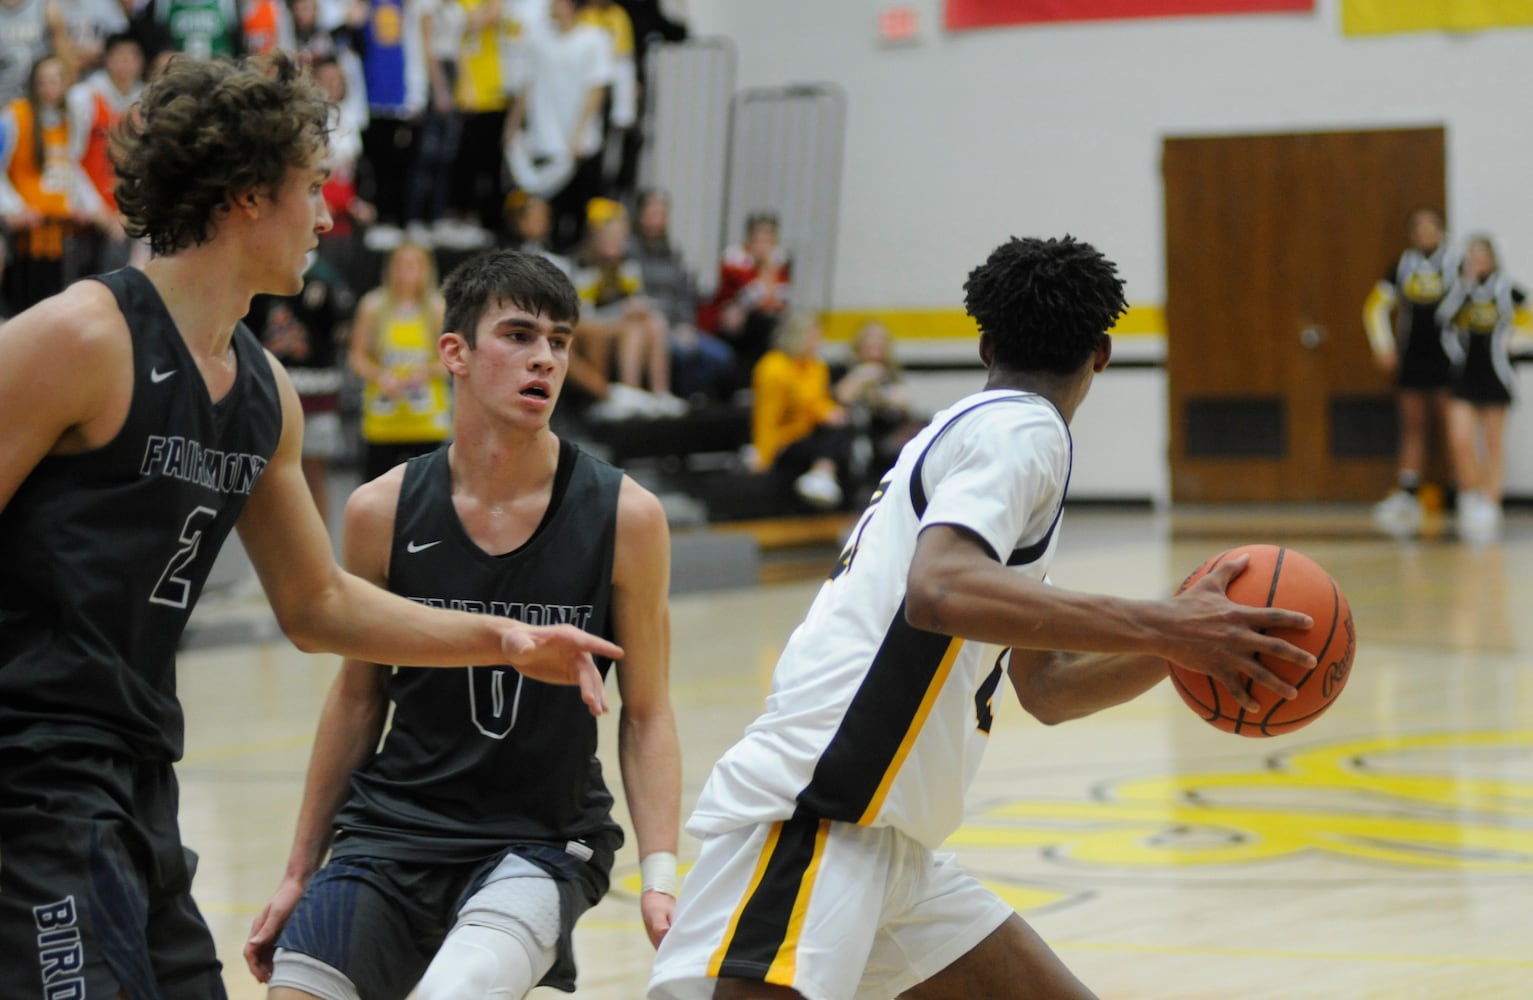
column 30, row 30
column 702, row 365
column 617, row 319
column 651, row 26
column 45, row 193
column 96, row 104
column 405, row 401
column 350, row 213
column 268, row 26
column 89, row 24
column 442, row 22
column 553, row 133
column 799, row 433
column 874, row 396
column 531, row 222
column 478, row 196
column 392, row 47
column 622, row 104
column 303, row 331
column 753, row 292
column 201, row 29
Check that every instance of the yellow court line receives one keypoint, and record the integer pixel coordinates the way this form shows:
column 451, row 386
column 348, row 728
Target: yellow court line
column 1306, row 956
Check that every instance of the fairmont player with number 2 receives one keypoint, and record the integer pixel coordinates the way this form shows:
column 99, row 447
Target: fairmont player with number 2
column 142, row 422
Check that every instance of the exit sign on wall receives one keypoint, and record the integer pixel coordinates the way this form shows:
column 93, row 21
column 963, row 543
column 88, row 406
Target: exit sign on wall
column 964, row 14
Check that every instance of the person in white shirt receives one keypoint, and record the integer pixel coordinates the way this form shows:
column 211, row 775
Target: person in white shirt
column 553, row 133
column 818, row 875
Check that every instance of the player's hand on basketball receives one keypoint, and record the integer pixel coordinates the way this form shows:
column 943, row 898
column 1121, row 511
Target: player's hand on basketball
column 268, row 925
column 561, row 654
column 1224, row 639
column 657, row 909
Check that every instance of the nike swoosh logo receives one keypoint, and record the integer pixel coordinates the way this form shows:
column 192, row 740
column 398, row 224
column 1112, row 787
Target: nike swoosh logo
column 156, row 376
column 413, row 547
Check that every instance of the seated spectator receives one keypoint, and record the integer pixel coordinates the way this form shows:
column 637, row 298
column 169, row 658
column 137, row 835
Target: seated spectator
column 752, row 293
column 531, row 223
column 44, row 192
column 702, row 365
column 873, row 395
column 406, row 400
column 618, row 320
column 799, row 433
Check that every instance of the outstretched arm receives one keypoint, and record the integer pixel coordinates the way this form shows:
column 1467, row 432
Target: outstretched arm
column 956, row 587
column 648, row 751
column 323, row 608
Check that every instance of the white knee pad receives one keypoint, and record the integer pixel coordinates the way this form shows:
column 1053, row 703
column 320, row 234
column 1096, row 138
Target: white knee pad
column 490, row 962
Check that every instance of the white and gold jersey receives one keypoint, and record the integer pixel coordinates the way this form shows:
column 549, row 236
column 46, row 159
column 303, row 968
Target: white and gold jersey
column 870, row 720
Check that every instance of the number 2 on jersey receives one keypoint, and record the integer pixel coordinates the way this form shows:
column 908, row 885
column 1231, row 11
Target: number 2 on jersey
column 173, row 589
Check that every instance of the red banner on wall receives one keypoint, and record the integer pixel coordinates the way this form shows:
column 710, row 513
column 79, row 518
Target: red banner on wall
column 964, row 14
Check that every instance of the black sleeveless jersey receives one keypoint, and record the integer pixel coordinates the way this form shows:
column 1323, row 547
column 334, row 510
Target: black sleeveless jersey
column 480, row 757
column 1422, row 279
column 106, row 552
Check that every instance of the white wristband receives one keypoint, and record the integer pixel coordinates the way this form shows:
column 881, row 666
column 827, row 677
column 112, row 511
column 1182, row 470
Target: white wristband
column 657, row 872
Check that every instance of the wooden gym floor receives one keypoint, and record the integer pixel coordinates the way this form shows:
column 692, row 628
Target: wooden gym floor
column 1385, row 851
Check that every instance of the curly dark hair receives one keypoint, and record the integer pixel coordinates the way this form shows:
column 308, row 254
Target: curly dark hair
column 205, row 131
column 528, row 281
column 1046, row 305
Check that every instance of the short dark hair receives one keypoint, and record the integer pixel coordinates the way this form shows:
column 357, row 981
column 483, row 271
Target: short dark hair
column 1046, row 305
column 206, row 130
column 528, row 281
column 117, row 38
column 761, row 218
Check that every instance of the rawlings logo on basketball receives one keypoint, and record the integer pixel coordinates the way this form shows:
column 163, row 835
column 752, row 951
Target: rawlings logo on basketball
column 1337, row 670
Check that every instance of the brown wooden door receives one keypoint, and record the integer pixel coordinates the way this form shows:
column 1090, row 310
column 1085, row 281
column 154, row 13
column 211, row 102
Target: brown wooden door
column 1272, row 244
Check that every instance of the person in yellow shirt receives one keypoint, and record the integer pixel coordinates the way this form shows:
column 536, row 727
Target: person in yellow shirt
column 799, row 432
column 406, row 409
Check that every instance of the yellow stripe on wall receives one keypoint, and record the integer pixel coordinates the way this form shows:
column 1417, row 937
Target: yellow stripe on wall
column 1378, row 17
column 940, row 324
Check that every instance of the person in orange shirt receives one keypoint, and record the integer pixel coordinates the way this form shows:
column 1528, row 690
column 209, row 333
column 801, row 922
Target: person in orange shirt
column 798, row 431
column 44, row 193
column 96, row 104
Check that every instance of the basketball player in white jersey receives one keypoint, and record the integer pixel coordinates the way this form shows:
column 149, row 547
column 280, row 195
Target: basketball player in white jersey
column 817, row 876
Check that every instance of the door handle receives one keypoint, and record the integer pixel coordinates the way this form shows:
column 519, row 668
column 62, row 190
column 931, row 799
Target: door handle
column 1312, row 336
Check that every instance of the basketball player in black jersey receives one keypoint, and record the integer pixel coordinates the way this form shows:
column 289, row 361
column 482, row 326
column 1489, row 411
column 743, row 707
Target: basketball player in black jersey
column 141, row 423
column 465, row 847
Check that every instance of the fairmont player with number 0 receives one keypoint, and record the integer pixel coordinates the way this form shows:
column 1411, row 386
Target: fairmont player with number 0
column 466, row 846
column 142, row 423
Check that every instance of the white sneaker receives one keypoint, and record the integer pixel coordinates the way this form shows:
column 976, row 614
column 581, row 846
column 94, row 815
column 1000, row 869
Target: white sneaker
column 382, row 239
column 1398, row 514
column 623, row 402
column 420, row 234
column 818, row 489
column 1479, row 520
column 667, row 405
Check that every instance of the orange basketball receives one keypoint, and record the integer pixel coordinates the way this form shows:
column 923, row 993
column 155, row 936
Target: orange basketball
column 1279, row 577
